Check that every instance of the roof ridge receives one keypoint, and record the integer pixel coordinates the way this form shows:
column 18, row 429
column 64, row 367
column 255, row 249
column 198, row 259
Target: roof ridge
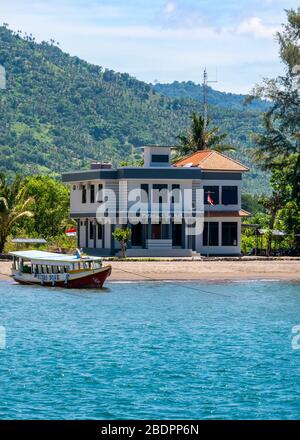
column 206, row 157
column 230, row 158
column 193, row 154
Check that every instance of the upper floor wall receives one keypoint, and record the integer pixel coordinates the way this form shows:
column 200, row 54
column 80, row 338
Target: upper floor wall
column 85, row 195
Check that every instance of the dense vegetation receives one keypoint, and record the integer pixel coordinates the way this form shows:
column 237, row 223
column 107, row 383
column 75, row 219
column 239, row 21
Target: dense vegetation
column 190, row 90
column 59, row 112
column 201, row 136
column 278, row 147
column 35, row 207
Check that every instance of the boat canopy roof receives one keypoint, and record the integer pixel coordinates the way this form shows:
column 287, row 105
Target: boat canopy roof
column 41, row 257
column 29, row 241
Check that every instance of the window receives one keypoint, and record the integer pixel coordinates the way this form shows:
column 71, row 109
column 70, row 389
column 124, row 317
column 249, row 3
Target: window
column 100, row 188
column 229, row 234
column 92, row 194
column 214, row 194
column 100, row 228
column 158, row 198
column 176, row 195
column 160, row 158
column 145, row 189
column 213, row 232
column 91, row 231
column 229, row 195
column 83, row 196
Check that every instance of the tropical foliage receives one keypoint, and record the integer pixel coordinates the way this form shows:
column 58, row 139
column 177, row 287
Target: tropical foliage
column 122, row 236
column 34, row 207
column 14, row 205
column 190, row 90
column 51, row 208
column 278, row 147
column 201, row 137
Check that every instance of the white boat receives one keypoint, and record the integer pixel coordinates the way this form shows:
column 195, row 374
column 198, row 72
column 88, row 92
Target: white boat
column 53, row 269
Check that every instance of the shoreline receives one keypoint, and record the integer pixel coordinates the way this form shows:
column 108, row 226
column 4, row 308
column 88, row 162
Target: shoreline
column 204, row 271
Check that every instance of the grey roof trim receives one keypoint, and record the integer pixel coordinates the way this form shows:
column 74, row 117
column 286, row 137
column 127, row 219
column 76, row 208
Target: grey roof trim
column 162, row 173
column 159, row 173
column 78, row 176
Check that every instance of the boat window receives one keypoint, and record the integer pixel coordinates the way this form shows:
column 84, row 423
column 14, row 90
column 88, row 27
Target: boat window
column 26, row 268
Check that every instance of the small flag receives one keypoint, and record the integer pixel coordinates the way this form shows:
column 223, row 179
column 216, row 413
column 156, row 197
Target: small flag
column 210, row 200
column 71, row 232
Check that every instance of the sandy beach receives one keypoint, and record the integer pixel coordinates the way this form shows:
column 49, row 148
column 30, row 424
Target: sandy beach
column 197, row 270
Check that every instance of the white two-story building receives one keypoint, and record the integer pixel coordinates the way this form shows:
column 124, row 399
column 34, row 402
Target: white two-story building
column 214, row 173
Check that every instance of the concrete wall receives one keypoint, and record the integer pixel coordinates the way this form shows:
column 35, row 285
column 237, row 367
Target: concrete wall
column 149, row 151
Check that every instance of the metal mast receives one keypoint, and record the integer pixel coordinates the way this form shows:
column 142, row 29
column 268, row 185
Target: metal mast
column 205, row 93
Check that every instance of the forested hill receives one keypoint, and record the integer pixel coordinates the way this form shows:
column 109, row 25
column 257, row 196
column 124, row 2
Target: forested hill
column 188, row 89
column 59, row 112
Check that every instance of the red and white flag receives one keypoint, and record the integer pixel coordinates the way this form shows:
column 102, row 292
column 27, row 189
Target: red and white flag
column 71, row 232
column 210, row 200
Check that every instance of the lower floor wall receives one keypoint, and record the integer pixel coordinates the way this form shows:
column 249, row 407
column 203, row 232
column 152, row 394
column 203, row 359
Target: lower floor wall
column 221, row 236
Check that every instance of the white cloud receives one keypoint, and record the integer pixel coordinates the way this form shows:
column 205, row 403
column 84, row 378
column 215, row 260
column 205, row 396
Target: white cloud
column 254, row 26
column 175, row 45
column 169, row 8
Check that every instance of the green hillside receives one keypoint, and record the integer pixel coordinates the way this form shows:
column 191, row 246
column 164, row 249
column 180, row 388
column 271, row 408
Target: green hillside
column 188, row 89
column 59, row 112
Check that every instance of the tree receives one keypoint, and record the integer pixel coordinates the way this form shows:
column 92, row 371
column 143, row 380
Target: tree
column 200, row 137
column 51, row 210
column 279, row 145
column 122, row 236
column 14, row 205
column 272, row 205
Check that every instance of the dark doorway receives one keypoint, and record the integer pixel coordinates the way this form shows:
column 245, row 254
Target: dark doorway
column 156, row 232
column 176, row 234
column 136, row 235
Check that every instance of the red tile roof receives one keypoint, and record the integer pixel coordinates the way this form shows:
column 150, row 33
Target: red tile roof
column 211, row 160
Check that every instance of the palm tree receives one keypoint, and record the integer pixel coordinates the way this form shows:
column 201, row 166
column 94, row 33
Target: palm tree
column 200, row 137
column 14, row 205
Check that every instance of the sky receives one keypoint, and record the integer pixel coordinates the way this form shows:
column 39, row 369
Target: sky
column 162, row 40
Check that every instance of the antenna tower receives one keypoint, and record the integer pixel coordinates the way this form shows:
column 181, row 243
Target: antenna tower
column 206, row 81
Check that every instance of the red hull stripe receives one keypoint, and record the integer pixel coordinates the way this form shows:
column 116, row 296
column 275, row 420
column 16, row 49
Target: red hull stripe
column 93, row 281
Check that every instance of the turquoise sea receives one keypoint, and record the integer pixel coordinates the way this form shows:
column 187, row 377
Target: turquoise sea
column 150, row 351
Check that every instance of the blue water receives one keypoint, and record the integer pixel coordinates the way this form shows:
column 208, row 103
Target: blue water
column 142, row 350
